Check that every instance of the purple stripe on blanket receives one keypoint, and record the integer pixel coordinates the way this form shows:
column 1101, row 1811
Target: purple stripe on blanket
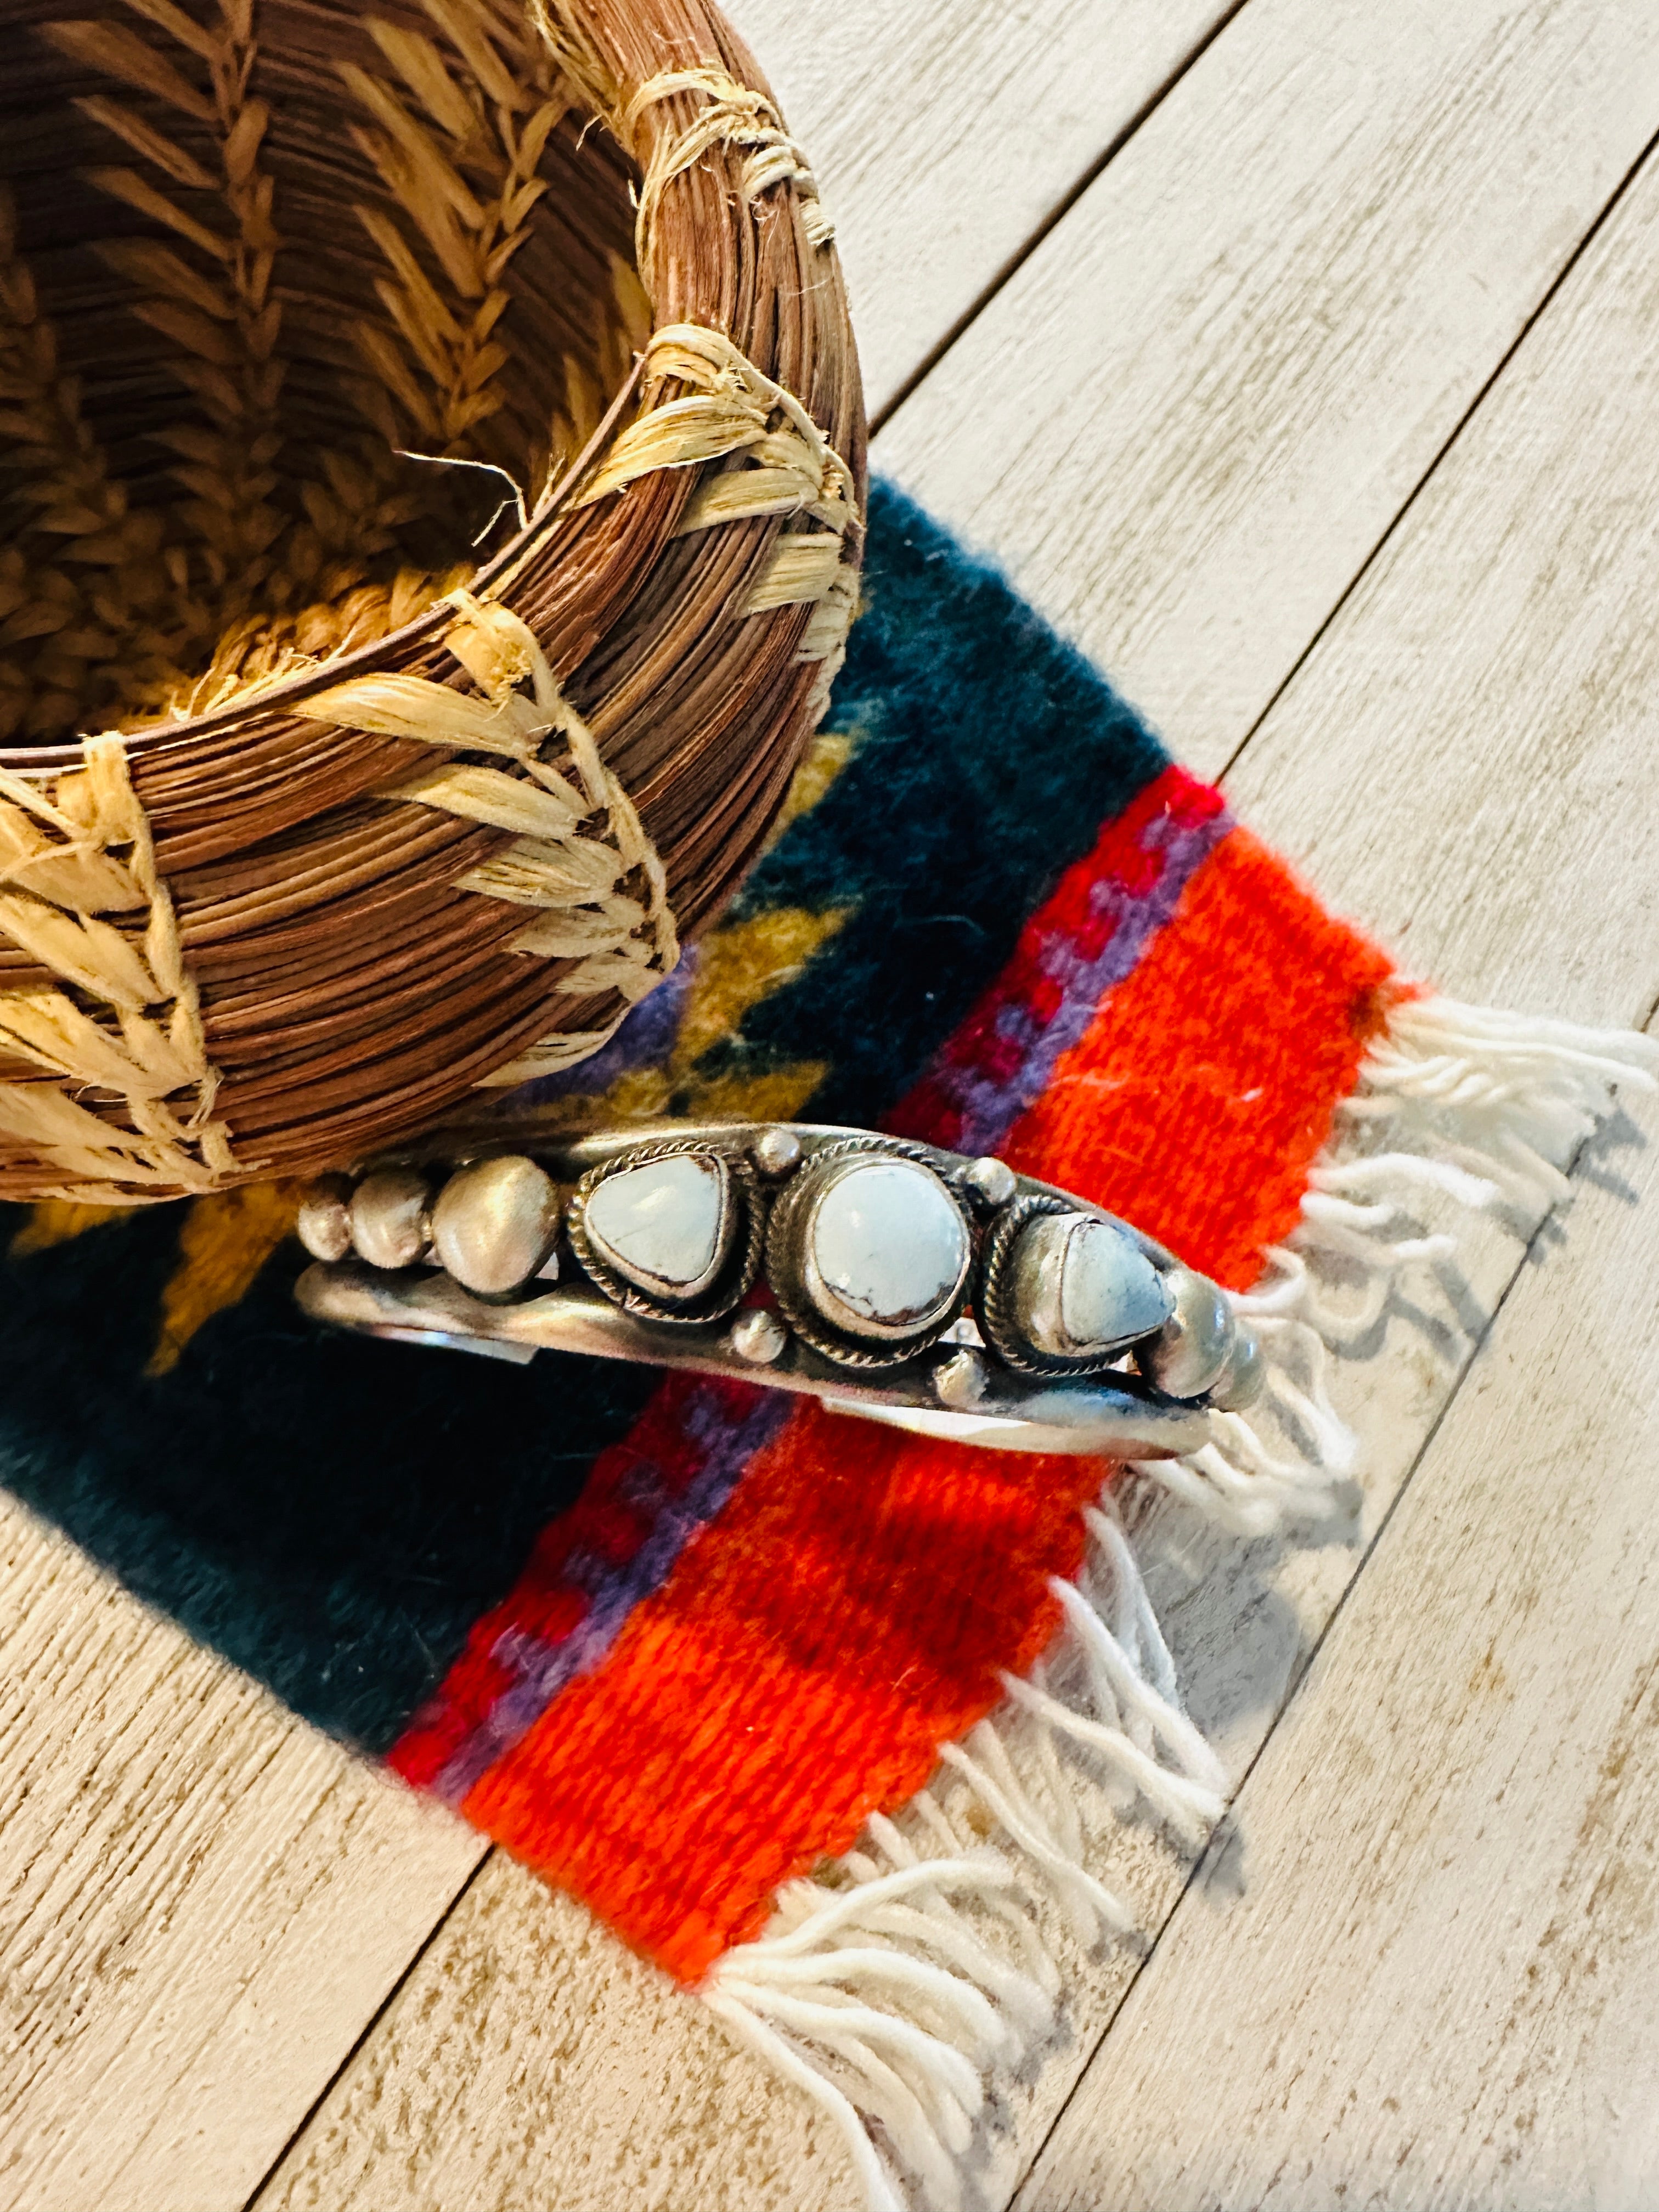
column 675, row 1513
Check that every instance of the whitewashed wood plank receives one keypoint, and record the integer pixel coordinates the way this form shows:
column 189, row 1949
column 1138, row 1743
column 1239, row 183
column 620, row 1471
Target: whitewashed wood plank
column 532, row 2062
column 1492, row 688
column 1185, row 422
column 1242, row 1619
column 202, row 1900
column 943, row 136
column 1493, row 682
column 1429, row 1972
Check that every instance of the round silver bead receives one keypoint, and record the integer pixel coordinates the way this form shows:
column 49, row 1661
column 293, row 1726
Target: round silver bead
column 776, row 1152
column 959, row 1380
column 1244, row 1378
column 993, row 1180
column 324, row 1221
column 758, row 1337
column 1190, row 1353
column 495, row 1224
column 388, row 1217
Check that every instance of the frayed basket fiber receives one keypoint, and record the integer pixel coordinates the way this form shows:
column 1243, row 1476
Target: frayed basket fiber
column 433, row 462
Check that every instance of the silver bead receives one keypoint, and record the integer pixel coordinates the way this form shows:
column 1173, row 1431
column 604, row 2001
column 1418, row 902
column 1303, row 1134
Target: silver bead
column 388, row 1217
column 994, row 1180
column 1244, row 1377
column 959, row 1380
column 759, row 1337
column 495, row 1224
column 325, row 1222
column 1082, row 1288
column 1191, row 1349
column 776, row 1152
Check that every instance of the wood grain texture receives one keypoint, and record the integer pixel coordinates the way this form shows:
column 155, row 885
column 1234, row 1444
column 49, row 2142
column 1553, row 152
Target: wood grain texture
column 1454, row 1815
column 944, row 135
column 532, row 2062
column 191, row 1878
column 1490, row 688
column 1243, row 1619
column 1187, row 420
column 1422, row 1967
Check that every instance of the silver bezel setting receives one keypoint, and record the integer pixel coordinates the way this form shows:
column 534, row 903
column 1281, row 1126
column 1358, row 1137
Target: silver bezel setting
column 981, row 1382
column 791, row 1271
column 736, row 1263
column 996, row 1292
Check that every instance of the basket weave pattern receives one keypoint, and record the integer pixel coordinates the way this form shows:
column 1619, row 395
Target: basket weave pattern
column 385, row 819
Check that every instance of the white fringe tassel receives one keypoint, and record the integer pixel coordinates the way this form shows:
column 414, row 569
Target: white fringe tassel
column 1467, row 1103
column 887, row 1987
column 890, row 1985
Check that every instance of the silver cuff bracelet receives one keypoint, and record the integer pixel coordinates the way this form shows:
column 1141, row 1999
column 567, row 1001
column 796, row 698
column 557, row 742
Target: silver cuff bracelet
column 891, row 1279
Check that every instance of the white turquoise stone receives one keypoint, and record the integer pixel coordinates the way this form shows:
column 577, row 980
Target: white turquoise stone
column 664, row 1225
column 1083, row 1287
column 1109, row 1291
column 887, row 1249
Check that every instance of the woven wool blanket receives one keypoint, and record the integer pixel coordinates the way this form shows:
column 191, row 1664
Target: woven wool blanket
column 758, row 1683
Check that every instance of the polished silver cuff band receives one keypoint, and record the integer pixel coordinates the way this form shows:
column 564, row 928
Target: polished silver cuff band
column 891, row 1279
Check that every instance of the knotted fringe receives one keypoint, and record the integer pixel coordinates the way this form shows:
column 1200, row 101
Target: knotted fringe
column 889, row 1984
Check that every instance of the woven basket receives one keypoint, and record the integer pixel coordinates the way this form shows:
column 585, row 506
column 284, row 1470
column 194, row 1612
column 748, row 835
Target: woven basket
column 434, row 459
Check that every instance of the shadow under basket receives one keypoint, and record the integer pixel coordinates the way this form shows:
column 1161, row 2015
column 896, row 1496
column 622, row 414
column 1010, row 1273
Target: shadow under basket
column 434, row 466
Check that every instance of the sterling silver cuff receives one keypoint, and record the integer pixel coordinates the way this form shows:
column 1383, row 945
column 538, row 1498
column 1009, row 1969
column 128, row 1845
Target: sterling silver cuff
column 891, row 1279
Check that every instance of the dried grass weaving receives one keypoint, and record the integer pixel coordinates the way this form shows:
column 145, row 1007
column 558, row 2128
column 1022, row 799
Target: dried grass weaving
column 432, row 473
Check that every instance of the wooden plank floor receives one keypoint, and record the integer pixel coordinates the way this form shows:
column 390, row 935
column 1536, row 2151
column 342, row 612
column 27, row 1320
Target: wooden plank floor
column 1301, row 358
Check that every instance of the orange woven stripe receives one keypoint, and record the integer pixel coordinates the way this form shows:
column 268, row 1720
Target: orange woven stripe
column 851, row 1608
column 846, row 1614
column 1204, row 1092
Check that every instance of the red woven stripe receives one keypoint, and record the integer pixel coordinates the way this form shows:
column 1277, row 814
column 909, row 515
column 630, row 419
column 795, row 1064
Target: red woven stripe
column 1204, row 1092
column 1082, row 942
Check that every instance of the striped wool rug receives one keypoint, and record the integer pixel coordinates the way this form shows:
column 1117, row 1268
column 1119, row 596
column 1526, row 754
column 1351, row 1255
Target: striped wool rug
column 790, row 1700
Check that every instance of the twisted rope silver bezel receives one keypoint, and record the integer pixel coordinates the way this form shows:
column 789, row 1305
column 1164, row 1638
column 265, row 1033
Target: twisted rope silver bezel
column 783, row 1274
column 732, row 1285
column 993, row 1302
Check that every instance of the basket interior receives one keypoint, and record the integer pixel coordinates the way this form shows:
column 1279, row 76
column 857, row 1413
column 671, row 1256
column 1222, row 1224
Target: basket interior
column 253, row 253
